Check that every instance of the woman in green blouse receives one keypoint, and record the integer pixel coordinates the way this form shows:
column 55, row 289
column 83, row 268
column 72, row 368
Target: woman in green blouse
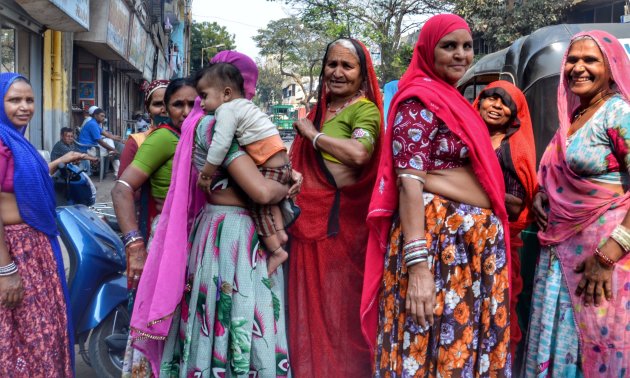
column 153, row 164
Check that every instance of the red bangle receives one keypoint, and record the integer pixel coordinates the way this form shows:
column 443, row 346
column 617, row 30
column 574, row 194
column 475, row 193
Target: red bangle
column 603, row 259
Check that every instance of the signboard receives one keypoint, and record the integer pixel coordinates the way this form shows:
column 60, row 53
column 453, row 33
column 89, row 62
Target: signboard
column 137, row 44
column 149, row 60
column 78, row 10
column 118, row 27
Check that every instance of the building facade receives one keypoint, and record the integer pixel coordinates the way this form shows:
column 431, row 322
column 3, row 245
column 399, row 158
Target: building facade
column 79, row 53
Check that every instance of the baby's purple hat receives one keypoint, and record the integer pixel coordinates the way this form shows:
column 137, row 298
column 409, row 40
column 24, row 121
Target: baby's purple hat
column 245, row 65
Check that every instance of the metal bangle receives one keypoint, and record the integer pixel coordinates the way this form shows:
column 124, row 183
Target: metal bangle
column 413, row 177
column 622, row 236
column 415, row 261
column 8, row 270
column 9, row 267
column 603, row 259
column 125, row 183
column 134, row 239
column 315, row 140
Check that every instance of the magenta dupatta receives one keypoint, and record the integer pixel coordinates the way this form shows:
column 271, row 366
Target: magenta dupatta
column 582, row 216
column 162, row 285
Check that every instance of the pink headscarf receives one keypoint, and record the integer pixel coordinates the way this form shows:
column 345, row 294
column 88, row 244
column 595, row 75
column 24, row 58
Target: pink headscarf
column 162, row 284
column 576, row 202
column 420, row 81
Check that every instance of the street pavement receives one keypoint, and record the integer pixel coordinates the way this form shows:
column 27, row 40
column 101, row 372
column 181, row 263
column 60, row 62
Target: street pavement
column 103, row 190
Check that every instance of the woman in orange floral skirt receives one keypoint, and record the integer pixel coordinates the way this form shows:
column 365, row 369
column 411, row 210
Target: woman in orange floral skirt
column 436, row 292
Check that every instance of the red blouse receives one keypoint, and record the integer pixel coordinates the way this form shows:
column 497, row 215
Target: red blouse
column 422, row 141
column 6, row 169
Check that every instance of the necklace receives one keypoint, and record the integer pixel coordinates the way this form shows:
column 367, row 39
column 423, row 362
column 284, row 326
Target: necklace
column 583, row 111
column 346, row 104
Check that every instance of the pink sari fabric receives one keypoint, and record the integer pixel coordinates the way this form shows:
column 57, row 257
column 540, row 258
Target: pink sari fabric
column 162, row 285
column 420, row 81
column 582, row 215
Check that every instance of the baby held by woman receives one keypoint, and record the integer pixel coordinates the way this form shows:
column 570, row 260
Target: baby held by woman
column 220, row 87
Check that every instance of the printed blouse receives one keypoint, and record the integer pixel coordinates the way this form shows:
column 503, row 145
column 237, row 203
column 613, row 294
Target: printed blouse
column 422, row 141
column 599, row 149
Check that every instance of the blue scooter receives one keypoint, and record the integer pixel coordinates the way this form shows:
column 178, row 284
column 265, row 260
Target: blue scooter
column 96, row 276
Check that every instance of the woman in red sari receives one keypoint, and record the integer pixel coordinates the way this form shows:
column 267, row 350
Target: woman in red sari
column 504, row 110
column 337, row 150
column 436, row 297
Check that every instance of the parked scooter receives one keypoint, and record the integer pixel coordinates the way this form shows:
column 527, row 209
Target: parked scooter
column 96, row 276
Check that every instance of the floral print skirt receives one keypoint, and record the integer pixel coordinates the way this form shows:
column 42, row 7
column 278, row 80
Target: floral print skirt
column 34, row 341
column 232, row 321
column 471, row 333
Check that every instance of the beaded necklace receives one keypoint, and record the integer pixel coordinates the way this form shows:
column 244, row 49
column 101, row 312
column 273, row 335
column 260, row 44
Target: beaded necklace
column 346, row 104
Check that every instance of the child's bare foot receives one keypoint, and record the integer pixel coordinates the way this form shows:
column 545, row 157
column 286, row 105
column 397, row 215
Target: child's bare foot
column 275, row 259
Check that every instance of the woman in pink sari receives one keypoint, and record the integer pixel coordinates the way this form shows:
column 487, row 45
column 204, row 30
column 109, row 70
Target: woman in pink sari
column 580, row 322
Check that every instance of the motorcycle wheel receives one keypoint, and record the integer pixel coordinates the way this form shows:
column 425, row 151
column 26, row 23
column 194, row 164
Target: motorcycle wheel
column 108, row 363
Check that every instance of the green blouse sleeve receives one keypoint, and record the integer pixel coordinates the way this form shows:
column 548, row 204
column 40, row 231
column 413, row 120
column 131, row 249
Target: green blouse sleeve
column 367, row 125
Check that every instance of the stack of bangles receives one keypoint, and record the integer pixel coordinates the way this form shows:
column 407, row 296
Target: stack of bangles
column 8, row 270
column 415, row 251
column 131, row 237
column 621, row 235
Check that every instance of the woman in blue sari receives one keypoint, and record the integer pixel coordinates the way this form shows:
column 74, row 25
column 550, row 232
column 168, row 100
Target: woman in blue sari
column 35, row 324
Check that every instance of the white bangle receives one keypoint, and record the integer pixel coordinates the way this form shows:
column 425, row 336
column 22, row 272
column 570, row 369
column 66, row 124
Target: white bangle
column 315, row 140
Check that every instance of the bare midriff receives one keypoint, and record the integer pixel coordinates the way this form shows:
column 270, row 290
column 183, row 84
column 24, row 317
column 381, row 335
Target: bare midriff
column 9, row 209
column 342, row 174
column 458, row 184
column 225, row 197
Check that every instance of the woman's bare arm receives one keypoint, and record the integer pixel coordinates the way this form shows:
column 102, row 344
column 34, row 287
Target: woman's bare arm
column 11, row 289
column 348, row 151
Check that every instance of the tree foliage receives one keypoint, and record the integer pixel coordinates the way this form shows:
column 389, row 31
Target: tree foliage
column 501, row 22
column 297, row 49
column 207, row 36
column 377, row 23
column 269, row 86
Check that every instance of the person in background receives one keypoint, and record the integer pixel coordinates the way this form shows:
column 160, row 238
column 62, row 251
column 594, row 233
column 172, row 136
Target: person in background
column 65, row 144
column 436, row 291
column 35, row 327
column 91, row 136
column 580, row 321
column 87, row 114
column 504, row 110
column 337, row 151
column 154, row 104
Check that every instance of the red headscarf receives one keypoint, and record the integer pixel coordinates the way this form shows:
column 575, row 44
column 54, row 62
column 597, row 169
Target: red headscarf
column 420, row 81
column 522, row 152
column 318, row 195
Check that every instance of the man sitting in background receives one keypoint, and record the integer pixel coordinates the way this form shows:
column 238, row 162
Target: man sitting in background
column 65, row 144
